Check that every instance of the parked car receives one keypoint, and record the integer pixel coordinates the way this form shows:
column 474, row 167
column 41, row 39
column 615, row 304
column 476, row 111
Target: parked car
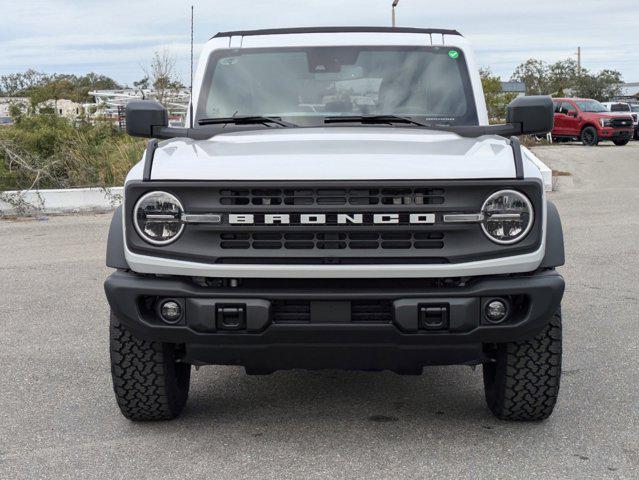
column 590, row 122
column 387, row 227
column 624, row 108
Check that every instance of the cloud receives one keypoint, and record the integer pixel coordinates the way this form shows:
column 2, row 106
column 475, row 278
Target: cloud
column 116, row 37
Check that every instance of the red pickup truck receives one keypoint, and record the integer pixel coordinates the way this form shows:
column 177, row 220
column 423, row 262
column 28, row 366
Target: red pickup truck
column 589, row 121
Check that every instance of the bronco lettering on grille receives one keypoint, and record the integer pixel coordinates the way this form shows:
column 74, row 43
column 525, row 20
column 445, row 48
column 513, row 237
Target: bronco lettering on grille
column 329, row 218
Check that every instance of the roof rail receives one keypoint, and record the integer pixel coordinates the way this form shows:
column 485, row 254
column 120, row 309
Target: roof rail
column 284, row 31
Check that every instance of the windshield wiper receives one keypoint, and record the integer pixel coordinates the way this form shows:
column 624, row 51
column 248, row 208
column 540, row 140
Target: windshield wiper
column 373, row 119
column 248, row 120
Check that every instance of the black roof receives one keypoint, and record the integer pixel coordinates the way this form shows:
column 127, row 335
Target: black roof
column 283, row 31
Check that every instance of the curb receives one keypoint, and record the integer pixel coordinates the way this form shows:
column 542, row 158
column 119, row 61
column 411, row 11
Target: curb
column 72, row 200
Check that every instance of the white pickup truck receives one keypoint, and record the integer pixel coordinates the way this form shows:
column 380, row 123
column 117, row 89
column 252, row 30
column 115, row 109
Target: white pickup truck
column 337, row 199
column 624, row 108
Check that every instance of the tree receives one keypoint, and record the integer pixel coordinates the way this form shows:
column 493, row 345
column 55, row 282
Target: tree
column 496, row 100
column 561, row 76
column 55, row 88
column 601, row 86
column 16, row 84
column 142, row 84
column 161, row 75
column 40, row 87
column 93, row 81
column 534, row 73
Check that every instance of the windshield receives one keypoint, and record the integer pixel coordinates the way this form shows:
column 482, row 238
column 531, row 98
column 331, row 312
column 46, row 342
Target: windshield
column 430, row 83
column 590, row 106
column 620, row 107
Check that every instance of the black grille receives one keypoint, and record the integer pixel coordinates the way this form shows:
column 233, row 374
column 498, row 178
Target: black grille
column 371, row 311
column 288, row 311
column 333, row 222
column 332, row 196
column 299, row 311
column 622, row 122
column 331, row 240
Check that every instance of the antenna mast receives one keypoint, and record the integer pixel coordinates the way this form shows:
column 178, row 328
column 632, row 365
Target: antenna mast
column 395, row 2
column 191, row 86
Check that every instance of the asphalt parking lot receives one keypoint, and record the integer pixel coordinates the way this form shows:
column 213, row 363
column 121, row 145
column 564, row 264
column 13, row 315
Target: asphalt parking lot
column 58, row 417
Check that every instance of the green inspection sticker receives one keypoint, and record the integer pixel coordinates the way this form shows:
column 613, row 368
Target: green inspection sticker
column 453, row 54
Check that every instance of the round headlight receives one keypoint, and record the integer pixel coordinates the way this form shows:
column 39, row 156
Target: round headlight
column 157, row 217
column 508, row 217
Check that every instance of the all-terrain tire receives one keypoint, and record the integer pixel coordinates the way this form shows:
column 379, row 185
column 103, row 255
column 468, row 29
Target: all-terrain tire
column 620, row 143
column 148, row 382
column 589, row 137
column 522, row 383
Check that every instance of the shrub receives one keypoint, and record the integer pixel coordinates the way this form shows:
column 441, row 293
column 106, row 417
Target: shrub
column 47, row 151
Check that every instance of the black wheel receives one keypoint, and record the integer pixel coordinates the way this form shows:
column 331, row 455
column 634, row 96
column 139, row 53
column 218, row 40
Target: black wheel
column 522, row 381
column 589, row 136
column 148, row 382
column 621, row 143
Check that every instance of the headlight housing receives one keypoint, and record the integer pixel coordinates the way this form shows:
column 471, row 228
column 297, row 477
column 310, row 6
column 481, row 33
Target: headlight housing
column 606, row 122
column 157, row 218
column 508, row 217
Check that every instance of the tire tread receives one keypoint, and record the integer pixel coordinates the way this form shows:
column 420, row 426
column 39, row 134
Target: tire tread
column 523, row 382
column 148, row 383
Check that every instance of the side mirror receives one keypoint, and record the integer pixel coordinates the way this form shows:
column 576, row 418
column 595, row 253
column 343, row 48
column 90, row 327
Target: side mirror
column 143, row 117
column 535, row 114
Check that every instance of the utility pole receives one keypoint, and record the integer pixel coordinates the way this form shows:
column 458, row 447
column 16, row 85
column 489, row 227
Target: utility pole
column 579, row 61
column 395, row 2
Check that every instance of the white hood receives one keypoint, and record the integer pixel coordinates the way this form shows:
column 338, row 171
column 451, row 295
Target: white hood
column 336, row 153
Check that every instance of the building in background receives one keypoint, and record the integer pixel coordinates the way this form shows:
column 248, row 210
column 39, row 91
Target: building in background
column 5, row 108
column 518, row 88
column 111, row 103
column 629, row 93
column 108, row 104
column 63, row 108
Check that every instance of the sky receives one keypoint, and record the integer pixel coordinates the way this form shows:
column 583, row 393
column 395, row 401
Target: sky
column 117, row 38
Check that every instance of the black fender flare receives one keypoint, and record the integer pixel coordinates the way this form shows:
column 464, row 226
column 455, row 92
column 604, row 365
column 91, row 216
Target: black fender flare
column 555, row 255
column 115, row 243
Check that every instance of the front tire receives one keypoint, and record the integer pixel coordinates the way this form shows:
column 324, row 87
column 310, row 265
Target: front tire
column 521, row 382
column 589, row 137
column 148, row 382
column 621, row 143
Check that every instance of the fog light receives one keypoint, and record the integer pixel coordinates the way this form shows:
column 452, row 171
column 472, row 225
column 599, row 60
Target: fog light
column 171, row 311
column 496, row 311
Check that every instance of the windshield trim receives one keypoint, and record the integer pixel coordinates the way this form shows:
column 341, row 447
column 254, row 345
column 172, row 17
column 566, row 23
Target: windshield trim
column 318, row 120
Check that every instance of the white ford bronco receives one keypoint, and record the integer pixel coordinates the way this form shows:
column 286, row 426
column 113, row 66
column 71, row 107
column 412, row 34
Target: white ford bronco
column 336, row 200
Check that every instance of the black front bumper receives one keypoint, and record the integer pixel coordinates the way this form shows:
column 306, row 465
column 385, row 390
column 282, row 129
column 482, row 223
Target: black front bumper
column 330, row 336
column 619, row 135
